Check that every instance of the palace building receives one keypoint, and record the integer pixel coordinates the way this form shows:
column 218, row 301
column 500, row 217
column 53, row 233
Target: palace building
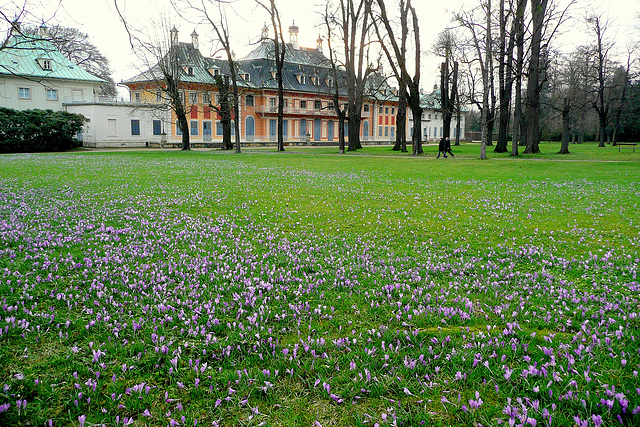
column 309, row 84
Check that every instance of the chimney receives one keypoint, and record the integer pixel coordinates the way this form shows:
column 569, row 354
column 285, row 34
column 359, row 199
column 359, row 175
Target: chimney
column 293, row 36
column 319, row 43
column 194, row 40
column 174, row 36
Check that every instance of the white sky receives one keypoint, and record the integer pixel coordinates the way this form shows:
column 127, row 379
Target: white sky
column 99, row 19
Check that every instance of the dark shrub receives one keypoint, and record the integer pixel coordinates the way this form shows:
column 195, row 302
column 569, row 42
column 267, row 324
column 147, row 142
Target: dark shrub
column 38, row 130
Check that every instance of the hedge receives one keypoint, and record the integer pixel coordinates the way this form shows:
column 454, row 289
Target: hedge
column 24, row 131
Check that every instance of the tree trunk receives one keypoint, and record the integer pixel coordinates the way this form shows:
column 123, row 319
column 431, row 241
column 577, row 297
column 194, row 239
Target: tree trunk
column 486, row 131
column 566, row 112
column 341, row 121
column 538, row 11
column 416, row 136
column 401, row 124
column 184, row 128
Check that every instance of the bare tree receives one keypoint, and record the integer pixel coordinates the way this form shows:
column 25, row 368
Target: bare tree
column 279, row 55
column 480, row 40
column 401, row 70
column 329, row 24
column 352, row 20
column 506, row 72
column 76, row 46
column 448, row 81
column 227, row 86
column 601, row 75
column 160, row 54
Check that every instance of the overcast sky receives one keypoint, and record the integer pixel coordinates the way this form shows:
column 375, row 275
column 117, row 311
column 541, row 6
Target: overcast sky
column 99, row 19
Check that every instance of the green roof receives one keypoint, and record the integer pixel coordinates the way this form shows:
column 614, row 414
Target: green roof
column 23, row 56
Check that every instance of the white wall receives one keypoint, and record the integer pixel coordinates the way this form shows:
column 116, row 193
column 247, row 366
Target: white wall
column 432, row 125
column 110, row 124
column 10, row 88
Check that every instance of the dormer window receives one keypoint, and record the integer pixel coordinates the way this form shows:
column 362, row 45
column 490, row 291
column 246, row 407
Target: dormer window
column 45, row 64
column 214, row 72
column 247, row 77
column 302, row 79
column 330, row 82
column 315, row 80
column 190, row 71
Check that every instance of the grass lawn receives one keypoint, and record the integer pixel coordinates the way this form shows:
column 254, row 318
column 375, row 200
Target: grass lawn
column 309, row 288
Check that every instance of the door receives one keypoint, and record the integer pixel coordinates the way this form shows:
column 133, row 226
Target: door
column 285, row 129
column 330, row 130
column 206, row 130
column 303, row 130
column 317, row 130
column 365, row 130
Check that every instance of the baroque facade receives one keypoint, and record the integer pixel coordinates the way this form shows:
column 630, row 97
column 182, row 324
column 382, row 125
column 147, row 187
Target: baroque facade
column 309, row 116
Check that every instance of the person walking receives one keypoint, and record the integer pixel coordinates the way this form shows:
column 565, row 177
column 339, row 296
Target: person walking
column 447, row 147
column 441, row 148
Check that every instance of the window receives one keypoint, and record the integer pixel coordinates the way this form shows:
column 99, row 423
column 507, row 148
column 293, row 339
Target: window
column 366, row 108
column 330, row 82
column 157, row 127
column 317, row 105
column 429, row 116
column 386, row 110
column 182, row 97
column 218, row 128
column 393, row 110
column 206, row 98
column 178, row 131
column 52, row 95
column 379, row 130
column 24, row 93
column 302, row 79
column 315, row 80
column 137, row 97
column 386, row 131
column 247, row 77
column 393, row 132
column 380, row 110
column 193, row 97
column 194, row 127
column 190, row 71
column 135, row 127
column 303, row 105
column 158, row 96
column 112, row 127
column 46, row 64
column 249, row 100
column 272, row 102
column 216, row 73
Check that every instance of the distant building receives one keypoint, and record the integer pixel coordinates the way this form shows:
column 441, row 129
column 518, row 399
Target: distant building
column 309, row 86
column 431, row 123
column 35, row 75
